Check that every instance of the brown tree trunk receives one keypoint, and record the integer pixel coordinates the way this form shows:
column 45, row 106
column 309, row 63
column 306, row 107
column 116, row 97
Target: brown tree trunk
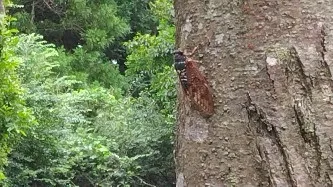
column 269, row 64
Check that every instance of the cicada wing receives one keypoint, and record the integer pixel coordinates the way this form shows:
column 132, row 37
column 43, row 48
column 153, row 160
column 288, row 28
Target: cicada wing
column 198, row 90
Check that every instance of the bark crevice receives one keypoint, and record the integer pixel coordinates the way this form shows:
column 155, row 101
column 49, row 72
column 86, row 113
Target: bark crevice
column 301, row 123
column 326, row 70
column 301, row 90
column 309, row 137
column 297, row 79
column 265, row 129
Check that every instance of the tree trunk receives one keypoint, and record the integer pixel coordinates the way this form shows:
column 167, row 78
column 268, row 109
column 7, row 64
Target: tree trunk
column 269, row 64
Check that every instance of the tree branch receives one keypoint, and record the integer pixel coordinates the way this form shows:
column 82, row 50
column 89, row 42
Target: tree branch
column 143, row 182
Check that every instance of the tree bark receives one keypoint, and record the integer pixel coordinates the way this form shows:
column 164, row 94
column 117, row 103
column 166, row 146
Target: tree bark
column 269, row 64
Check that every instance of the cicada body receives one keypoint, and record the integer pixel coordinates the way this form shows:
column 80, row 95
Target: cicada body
column 194, row 84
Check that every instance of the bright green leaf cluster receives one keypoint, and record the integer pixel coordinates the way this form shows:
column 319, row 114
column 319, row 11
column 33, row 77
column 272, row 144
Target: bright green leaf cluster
column 15, row 117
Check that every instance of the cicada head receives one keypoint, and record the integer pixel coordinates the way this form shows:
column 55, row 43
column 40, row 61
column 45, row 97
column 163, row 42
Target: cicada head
column 179, row 60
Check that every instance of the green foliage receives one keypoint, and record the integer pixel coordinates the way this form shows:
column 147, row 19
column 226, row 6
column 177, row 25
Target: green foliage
column 150, row 60
column 89, row 132
column 163, row 11
column 95, row 22
column 15, row 117
column 150, row 68
column 144, row 132
column 163, row 91
column 149, row 53
column 73, row 158
column 139, row 125
column 35, row 54
column 84, row 27
column 99, row 21
column 100, row 69
column 85, row 134
column 138, row 14
column 62, row 149
column 24, row 22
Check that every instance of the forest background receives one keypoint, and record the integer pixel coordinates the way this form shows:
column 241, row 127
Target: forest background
column 87, row 93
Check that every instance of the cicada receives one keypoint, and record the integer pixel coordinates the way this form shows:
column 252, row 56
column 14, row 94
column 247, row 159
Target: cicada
column 194, row 83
